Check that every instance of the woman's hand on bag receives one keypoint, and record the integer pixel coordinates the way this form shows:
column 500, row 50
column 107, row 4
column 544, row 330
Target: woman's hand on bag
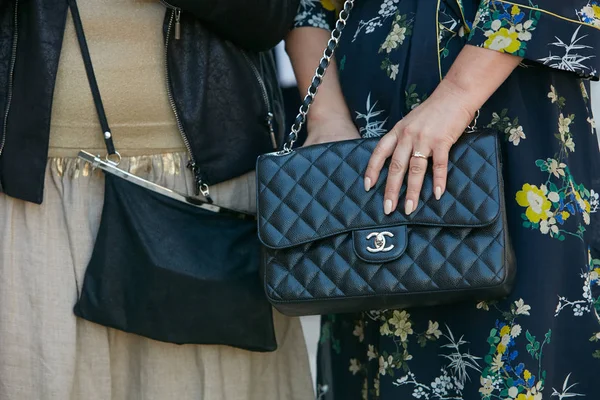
column 425, row 135
column 430, row 130
column 332, row 129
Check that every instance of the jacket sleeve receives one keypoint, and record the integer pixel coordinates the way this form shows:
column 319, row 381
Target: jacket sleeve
column 560, row 34
column 254, row 25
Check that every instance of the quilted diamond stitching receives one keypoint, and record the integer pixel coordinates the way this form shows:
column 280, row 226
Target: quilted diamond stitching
column 319, row 195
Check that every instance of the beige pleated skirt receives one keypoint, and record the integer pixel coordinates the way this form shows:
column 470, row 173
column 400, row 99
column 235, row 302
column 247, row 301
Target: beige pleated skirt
column 46, row 353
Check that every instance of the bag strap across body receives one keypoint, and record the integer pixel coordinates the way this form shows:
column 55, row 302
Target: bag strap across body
column 110, row 163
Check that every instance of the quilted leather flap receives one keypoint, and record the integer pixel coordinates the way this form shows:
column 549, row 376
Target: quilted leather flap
column 318, row 191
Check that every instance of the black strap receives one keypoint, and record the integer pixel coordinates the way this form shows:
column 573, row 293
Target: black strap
column 89, row 69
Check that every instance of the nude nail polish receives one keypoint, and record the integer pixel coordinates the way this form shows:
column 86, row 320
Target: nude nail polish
column 387, row 207
column 408, row 208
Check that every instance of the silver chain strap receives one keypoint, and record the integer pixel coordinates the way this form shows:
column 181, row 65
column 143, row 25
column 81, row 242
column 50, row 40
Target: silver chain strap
column 332, row 45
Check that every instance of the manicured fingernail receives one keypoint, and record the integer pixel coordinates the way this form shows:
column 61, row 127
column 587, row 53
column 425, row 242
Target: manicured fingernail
column 438, row 192
column 408, row 208
column 387, row 207
column 367, row 184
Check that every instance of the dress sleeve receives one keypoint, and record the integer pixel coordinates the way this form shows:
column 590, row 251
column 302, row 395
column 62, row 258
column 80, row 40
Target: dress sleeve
column 316, row 13
column 561, row 34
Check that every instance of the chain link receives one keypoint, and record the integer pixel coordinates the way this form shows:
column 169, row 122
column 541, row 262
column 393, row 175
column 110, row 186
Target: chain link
column 332, row 45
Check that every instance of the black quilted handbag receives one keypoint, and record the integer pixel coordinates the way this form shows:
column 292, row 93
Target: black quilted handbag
column 329, row 248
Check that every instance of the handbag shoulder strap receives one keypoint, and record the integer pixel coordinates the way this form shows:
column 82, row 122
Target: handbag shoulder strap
column 89, row 69
column 328, row 53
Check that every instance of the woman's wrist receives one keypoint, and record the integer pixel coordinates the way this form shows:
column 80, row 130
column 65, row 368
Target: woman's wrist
column 475, row 75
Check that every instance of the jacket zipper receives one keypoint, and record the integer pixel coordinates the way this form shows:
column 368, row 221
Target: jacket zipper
column 177, row 12
column 11, row 74
column 201, row 186
column 270, row 117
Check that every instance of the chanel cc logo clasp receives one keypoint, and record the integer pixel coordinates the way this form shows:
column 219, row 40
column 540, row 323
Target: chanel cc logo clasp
column 380, row 242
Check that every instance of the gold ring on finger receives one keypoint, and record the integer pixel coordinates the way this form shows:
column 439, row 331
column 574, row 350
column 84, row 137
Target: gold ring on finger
column 418, row 154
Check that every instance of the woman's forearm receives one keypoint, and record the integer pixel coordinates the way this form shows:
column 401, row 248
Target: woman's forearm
column 475, row 75
column 305, row 48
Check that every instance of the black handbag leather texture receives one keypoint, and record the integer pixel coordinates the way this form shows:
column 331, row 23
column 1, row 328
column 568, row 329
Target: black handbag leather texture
column 166, row 270
column 328, row 247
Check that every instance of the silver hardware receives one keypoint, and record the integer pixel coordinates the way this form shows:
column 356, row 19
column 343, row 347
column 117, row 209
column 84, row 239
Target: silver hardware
column 418, row 154
column 332, row 45
column 107, row 135
column 117, row 158
column 111, row 168
column 472, row 127
column 380, row 242
column 178, row 24
column 204, row 190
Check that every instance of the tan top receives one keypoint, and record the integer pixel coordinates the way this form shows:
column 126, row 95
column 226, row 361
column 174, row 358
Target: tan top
column 125, row 38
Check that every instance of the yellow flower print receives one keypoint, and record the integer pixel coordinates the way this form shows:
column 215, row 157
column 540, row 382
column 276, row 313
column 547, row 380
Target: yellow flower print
column 527, row 375
column 501, row 348
column 565, row 215
column 515, row 10
column 505, row 41
column 587, row 207
column 524, row 396
column 328, row 5
column 596, row 9
column 505, row 330
column 536, row 202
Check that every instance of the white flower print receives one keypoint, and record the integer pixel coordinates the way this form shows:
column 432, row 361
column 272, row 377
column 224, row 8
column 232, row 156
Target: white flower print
column 496, row 24
column 394, row 39
column 393, row 71
column 549, row 225
column 388, row 7
column 516, row 134
column 385, row 364
column 563, row 124
column 522, row 308
column 553, row 96
column 594, row 201
column 354, row 366
column 319, row 21
column 586, row 303
column 372, row 353
column 556, row 168
column 419, row 392
column 433, row 330
column 516, row 331
column 497, row 363
column 592, row 123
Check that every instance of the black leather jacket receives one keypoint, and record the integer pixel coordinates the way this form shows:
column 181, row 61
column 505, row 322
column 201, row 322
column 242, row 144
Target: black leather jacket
column 222, row 84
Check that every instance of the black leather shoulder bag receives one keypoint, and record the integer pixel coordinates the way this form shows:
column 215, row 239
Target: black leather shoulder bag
column 329, row 248
column 167, row 266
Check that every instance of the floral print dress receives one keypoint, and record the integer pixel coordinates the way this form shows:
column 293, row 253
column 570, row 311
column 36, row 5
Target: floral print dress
column 543, row 342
